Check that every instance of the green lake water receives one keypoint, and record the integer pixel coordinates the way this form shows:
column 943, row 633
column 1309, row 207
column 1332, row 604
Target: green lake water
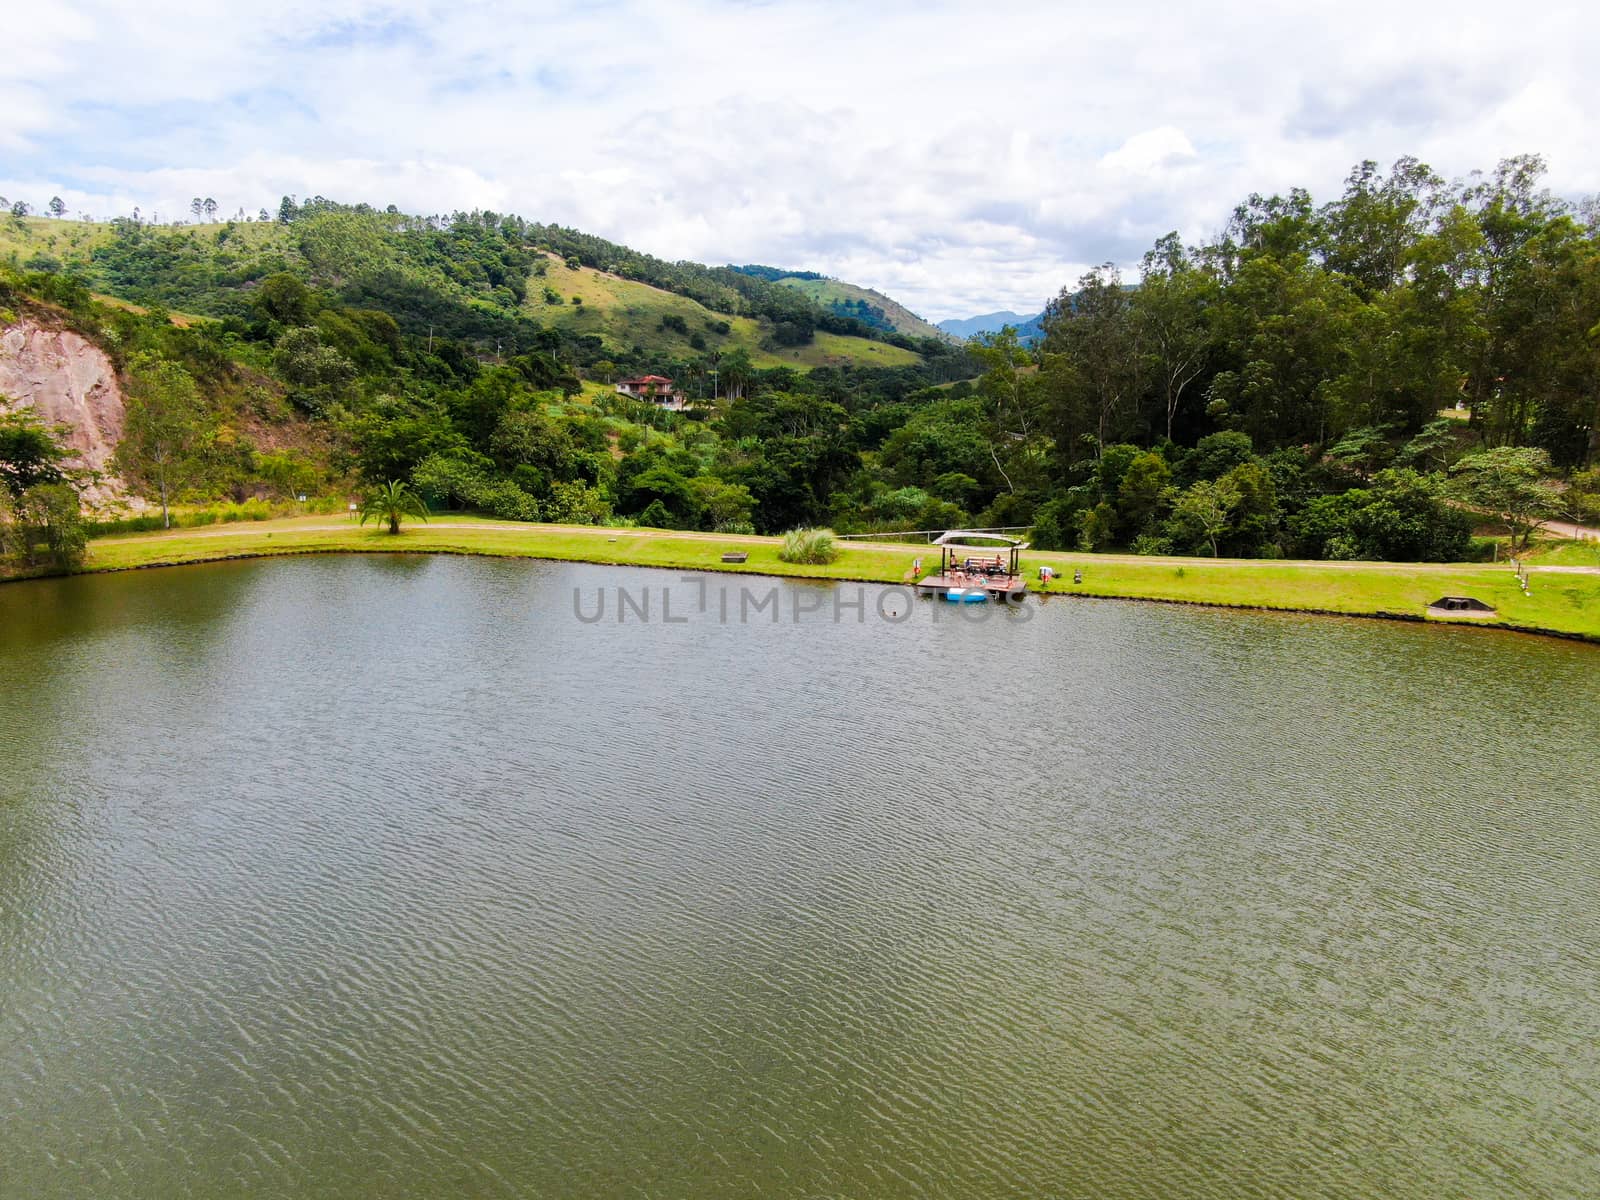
column 391, row 877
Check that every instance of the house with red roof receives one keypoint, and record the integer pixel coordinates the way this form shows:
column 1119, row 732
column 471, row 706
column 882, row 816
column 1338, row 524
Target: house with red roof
column 654, row 389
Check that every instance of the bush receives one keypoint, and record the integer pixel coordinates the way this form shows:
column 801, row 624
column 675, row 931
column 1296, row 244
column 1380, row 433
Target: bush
column 507, row 501
column 1152, row 543
column 123, row 525
column 1096, row 527
column 44, row 527
column 816, row 547
column 250, row 510
column 1055, row 525
column 577, row 504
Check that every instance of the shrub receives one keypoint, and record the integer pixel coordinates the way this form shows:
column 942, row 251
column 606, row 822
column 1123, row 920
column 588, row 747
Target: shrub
column 45, row 527
column 123, row 525
column 577, row 504
column 507, row 501
column 1055, row 525
column 250, row 510
column 657, row 515
column 1096, row 527
column 814, row 546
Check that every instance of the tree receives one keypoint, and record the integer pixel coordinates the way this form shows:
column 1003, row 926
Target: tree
column 48, row 515
column 30, row 451
column 161, row 429
column 1011, row 414
column 1254, row 518
column 727, row 506
column 577, row 504
column 1141, row 492
column 1431, row 448
column 197, row 207
column 1581, row 501
column 57, row 207
column 210, row 206
column 1371, row 232
column 317, row 374
column 1170, row 310
column 1205, row 512
column 21, row 208
column 1094, row 329
column 1399, row 518
column 285, row 299
column 391, row 502
column 263, row 215
column 1218, row 453
column 1512, row 483
column 733, row 372
column 342, row 245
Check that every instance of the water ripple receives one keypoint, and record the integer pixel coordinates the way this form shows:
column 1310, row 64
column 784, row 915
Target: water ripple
column 372, row 877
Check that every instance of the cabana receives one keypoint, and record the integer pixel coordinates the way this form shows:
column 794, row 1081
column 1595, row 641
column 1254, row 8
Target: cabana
column 977, row 566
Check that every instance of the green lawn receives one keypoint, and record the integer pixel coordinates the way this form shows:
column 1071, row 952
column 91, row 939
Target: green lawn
column 1568, row 603
column 1565, row 554
column 1565, row 601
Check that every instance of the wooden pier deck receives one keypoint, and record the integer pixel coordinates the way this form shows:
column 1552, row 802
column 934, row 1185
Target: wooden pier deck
column 999, row 587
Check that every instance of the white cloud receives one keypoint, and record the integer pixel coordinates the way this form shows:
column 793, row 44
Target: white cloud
column 957, row 156
column 1150, row 152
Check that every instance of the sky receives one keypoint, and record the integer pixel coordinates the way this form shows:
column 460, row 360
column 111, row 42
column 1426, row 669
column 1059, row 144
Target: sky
column 961, row 157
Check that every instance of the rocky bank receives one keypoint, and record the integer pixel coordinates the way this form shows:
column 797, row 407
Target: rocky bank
column 67, row 380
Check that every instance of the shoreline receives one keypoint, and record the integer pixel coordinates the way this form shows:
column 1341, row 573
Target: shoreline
column 1564, row 601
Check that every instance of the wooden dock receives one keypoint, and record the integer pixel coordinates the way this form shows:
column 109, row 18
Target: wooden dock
column 998, row 587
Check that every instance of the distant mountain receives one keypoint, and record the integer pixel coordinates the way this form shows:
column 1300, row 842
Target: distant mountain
column 872, row 308
column 1029, row 329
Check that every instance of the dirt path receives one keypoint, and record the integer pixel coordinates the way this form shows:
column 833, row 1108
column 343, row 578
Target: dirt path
column 1573, row 533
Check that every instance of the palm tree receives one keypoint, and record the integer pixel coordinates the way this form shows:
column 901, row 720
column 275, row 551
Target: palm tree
column 392, row 501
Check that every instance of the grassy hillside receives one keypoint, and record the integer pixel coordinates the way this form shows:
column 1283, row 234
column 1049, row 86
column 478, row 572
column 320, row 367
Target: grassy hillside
column 424, row 278
column 863, row 303
column 627, row 314
column 239, row 250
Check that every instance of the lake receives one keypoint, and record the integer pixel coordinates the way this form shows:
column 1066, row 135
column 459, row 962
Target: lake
column 403, row 877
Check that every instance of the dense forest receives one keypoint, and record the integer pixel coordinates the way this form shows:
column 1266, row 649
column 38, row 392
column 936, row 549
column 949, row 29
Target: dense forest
column 1356, row 379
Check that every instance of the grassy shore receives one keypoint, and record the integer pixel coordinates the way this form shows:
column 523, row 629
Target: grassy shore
column 1564, row 599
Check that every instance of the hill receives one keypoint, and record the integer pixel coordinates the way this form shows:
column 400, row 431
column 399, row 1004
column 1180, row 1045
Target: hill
column 1029, row 329
column 847, row 301
column 487, row 279
column 863, row 304
column 647, row 322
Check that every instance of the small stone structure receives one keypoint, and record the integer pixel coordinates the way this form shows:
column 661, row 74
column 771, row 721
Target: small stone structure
column 1459, row 606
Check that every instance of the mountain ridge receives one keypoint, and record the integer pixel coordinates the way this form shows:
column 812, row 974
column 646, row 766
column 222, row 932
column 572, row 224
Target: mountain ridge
column 491, row 279
column 1029, row 329
column 850, row 301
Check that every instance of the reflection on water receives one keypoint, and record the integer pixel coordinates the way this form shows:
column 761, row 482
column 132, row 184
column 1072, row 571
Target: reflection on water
column 390, row 877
